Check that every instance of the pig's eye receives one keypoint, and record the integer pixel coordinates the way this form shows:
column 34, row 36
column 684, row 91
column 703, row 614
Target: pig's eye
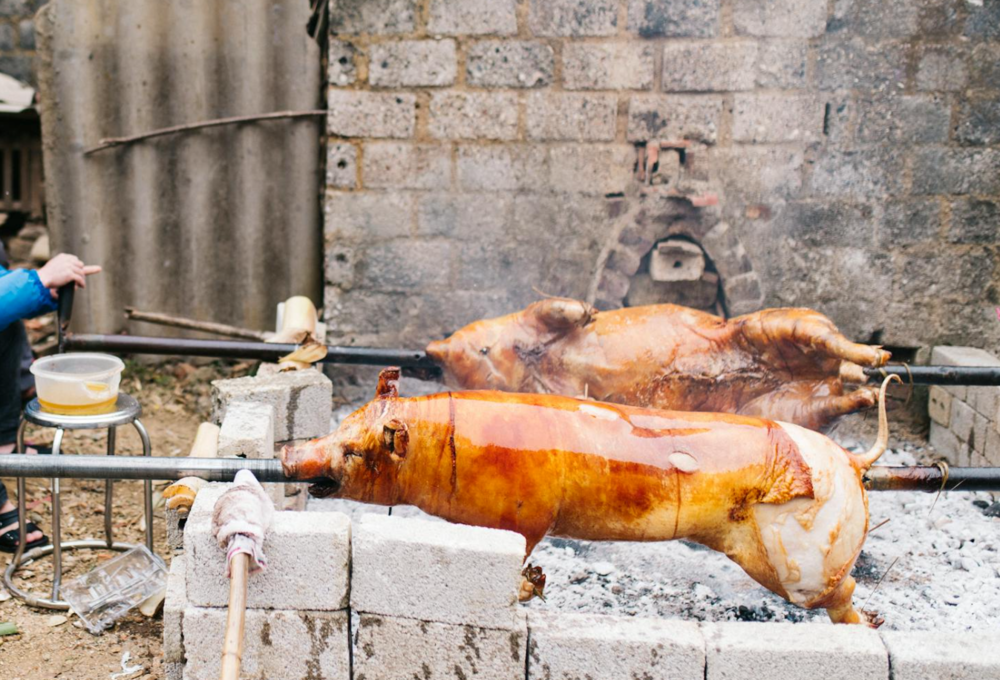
column 348, row 453
column 484, row 351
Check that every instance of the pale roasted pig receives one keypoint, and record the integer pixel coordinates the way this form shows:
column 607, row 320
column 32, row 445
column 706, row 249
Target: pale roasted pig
column 785, row 364
column 785, row 503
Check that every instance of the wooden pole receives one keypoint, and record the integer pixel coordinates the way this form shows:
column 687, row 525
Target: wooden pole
column 232, row 645
column 204, row 326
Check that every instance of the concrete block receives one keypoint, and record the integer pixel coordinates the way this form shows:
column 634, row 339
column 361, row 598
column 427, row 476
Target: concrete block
column 509, row 63
column 675, row 19
column 753, row 651
column 709, row 66
column 947, row 445
column 7, row 40
column 173, row 612
column 916, row 119
column 502, row 168
column 942, row 655
column 427, row 265
column 694, row 117
column 780, row 18
column 973, row 221
column 390, row 648
column 352, row 509
column 607, row 66
column 308, row 561
column 859, row 65
column 961, row 420
column 356, row 113
column 357, row 216
column 173, row 670
column 435, row 571
column 473, row 115
column 571, row 117
column 991, row 452
column 942, row 69
column 592, row 169
column 342, row 70
column 909, row 221
column 341, row 166
column 302, row 401
column 977, row 439
column 463, row 216
column 412, row 63
column 939, row 405
column 940, row 170
column 573, row 17
column 248, row 432
column 563, row 645
column 781, row 65
column 373, row 17
column 472, row 17
column 277, row 644
column 777, row 118
column 175, row 528
column 401, row 165
column 873, row 172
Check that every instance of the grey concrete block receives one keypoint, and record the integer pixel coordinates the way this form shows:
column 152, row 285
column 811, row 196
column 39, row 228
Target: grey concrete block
column 939, row 406
column 175, row 528
column 248, row 432
column 947, row 355
column 694, row 117
column 984, row 65
column 778, row 118
column 860, row 65
column 363, row 216
column 974, row 221
column 277, row 644
column 675, row 19
column 355, row 113
column 956, row 171
column 564, row 645
column 942, row 69
column 390, row 648
column 607, row 66
column 909, row 221
column 427, row 265
column 475, row 217
column 781, row 65
column 869, row 172
column 942, row 655
column 7, row 37
column 917, row 119
column 308, row 561
column 961, row 420
column 990, row 457
column 947, row 445
column 979, row 121
column 875, row 19
column 780, row 18
column 472, row 17
column 573, row 17
column 302, row 401
column 709, row 66
column 173, row 670
column 784, row 650
column 571, row 117
column 341, row 165
column 352, row 509
column 473, row 115
column 373, row 17
column 401, row 165
column 341, row 70
column 758, row 173
column 412, row 63
column 509, row 63
column 593, row 168
column 502, row 168
column 435, row 571
column 173, row 612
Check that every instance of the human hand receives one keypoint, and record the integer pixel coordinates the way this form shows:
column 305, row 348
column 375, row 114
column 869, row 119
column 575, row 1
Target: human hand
column 65, row 268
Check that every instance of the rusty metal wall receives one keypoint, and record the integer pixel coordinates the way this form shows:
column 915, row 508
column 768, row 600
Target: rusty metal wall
column 214, row 224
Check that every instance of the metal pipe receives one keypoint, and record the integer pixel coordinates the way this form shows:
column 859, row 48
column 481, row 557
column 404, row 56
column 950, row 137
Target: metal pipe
column 938, row 375
column 880, row 478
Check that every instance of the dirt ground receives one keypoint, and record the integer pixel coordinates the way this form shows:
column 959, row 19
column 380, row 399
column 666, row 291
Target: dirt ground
column 175, row 398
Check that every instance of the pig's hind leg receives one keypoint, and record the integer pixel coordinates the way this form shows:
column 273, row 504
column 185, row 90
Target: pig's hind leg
column 840, row 606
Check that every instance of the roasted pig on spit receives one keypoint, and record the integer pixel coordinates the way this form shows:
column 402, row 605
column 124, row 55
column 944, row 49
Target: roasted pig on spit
column 785, row 364
column 785, row 503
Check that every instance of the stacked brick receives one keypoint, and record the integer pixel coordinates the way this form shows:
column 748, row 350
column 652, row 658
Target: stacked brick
column 965, row 421
column 482, row 151
column 17, row 38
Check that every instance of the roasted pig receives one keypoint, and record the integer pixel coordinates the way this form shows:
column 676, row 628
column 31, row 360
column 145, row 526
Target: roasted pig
column 785, row 364
column 785, row 503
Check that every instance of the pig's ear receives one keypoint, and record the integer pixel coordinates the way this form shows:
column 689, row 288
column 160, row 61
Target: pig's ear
column 388, row 383
column 562, row 313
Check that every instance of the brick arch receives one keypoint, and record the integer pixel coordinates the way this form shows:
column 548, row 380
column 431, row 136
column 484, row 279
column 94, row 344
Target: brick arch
column 653, row 219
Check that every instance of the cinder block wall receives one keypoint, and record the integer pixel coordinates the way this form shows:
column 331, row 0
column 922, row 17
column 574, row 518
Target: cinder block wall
column 483, row 150
column 17, row 38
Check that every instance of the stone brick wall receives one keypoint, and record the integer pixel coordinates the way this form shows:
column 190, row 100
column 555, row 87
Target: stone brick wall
column 482, row 152
column 17, row 38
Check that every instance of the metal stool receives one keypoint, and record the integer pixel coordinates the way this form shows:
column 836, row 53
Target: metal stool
column 127, row 411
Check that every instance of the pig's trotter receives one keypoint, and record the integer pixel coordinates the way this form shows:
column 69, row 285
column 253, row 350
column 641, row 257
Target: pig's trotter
column 532, row 585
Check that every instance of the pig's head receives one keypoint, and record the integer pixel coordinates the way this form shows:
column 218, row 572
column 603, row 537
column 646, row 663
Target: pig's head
column 361, row 458
column 498, row 354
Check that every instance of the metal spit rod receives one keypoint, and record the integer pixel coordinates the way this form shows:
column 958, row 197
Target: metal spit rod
column 879, row 478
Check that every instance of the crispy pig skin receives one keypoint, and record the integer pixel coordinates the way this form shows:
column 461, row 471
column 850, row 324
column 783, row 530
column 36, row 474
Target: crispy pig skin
column 784, row 364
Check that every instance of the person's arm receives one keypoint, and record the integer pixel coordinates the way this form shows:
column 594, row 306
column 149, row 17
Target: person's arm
column 22, row 295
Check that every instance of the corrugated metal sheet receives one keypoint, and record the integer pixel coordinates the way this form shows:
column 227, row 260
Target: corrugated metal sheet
column 216, row 224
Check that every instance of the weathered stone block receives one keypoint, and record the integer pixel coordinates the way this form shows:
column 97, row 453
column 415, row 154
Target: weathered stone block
column 919, row 119
column 777, row 118
column 770, row 650
column 859, row 65
column 173, row 670
column 353, row 17
column 571, row 117
column 302, row 401
column 678, row 18
column 401, row 165
column 780, row 18
column 942, row 69
column 607, row 66
column 709, row 66
column 405, row 264
column 983, row 21
column 961, row 420
column 26, row 34
column 947, row 355
column 367, row 215
column 355, row 113
column 342, row 69
column 435, row 571
column 759, row 173
column 693, row 117
column 905, row 222
column 341, row 165
column 939, row 655
column 175, row 528
column 573, row 17
column 248, row 432
column 939, row 406
column 473, row 115
column 308, row 560
column 563, row 645
column 984, row 65
column 277, row 645
column 173, row 612
column 592, row 169
column 947, row 444
column 979, row 121
column 815, row 224
column 472, row 17
column 991, row 452
column 390, row 648
column 7, row 37
column 339, row 264
column 874, row 19
column 412, row 63
column 509, row 63
column 781, row 65
column 502, row 168
column 956, row 171
column 868, row 172
column 474, row 217
column 974, row 221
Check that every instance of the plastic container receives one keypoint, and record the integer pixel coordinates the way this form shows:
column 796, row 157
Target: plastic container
column 78, row 384
column 103, row 595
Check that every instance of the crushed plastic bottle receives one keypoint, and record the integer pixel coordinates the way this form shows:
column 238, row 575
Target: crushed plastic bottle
column 105, row 594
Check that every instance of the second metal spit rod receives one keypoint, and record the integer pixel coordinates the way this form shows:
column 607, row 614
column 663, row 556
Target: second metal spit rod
column 880, row 478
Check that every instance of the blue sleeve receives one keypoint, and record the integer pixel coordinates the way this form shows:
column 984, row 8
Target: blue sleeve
column 22, row 296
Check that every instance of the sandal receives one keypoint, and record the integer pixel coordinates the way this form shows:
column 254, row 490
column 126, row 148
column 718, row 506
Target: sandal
column 8, row 540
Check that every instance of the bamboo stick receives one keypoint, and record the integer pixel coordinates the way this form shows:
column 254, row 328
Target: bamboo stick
column 232, row 644
column 192, row 324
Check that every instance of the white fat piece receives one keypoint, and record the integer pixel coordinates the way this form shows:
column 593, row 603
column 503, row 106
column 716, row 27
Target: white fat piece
column 811, row 541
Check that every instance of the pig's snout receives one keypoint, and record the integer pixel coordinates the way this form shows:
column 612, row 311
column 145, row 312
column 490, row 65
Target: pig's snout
column 309, row 460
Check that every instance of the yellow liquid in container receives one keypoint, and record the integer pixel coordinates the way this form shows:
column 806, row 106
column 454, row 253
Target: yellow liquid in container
column 95, row 405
